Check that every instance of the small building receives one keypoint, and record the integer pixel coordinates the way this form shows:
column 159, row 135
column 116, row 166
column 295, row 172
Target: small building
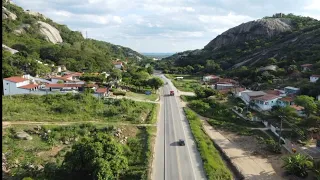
column 18, row 85
column 118, row 65
column 285, row 101
column 306, row 67
column 299, row 110
column 223, row 86
column 314, row 78
column 266, row 102
column 102, row 92
column 178, row 78
column 248, row 96
column 210, row 78
column 64, row 87
column 291, row 90
column 238, row 91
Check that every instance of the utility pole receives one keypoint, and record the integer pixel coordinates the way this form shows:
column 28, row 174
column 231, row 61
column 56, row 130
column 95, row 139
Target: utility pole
column 280, row 131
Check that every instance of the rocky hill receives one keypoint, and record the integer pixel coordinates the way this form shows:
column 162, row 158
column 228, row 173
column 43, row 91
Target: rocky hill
column 30, row 36
column 289, row 39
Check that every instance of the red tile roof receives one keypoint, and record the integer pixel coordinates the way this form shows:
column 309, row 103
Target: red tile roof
column 61, row 78
column 63, row 85
column 101, row 90
column 266, row 97
column 306, row 65
column 29, row 86
column 15, row 79
column 274, row 92
column 91, row 85
column 287, row 99
column 298, row 108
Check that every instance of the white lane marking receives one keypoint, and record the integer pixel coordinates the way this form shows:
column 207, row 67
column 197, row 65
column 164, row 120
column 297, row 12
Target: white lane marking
column 194, row 174
column 175, row 137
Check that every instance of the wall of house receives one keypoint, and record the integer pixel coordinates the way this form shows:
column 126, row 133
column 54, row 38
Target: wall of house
column 11, row 88
column 118, row 66
column 313, row 79
column 266, row 105
column 290, row 91
column 245, row 97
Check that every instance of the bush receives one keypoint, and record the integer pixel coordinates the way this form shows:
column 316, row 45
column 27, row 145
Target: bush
column 119, row 93
column 212, row 161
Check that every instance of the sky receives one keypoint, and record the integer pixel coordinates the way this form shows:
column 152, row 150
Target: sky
column 162, row 25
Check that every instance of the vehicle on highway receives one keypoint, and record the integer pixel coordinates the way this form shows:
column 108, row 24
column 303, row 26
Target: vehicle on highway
column 181, row 142
column 171, row 93
column 166, row 83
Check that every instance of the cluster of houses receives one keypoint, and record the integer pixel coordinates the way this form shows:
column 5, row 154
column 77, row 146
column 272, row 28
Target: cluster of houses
column 65, row 82
column 259, row 100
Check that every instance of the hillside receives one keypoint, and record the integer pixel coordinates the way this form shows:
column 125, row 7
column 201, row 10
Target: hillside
column 281, row 40
column 39, row 38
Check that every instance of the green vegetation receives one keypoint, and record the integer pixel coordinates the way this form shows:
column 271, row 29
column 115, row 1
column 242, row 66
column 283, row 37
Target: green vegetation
column 188, row 84
column 57, row 151
column 214, row 166
column 76, row 52
column 142, row 96
column 69, row 107
column 297, row 164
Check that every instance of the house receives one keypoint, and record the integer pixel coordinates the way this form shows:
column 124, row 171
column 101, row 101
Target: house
column 118, row 65
column 18, row 85
column 265, row 102
column 306, row 67
column 223, row 86
column 238, row 91
column 291, row 90
column 318, row 97
column 314, row 78
column 299, row 110
column 210, row 78
column 178, row 78
column 248, row 96
column 276, row 92
column 101, row 92
column 73, row 76
column 64, row 87
column 285, row 101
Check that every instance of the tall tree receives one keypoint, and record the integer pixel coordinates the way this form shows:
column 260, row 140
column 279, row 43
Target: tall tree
column 308, row 103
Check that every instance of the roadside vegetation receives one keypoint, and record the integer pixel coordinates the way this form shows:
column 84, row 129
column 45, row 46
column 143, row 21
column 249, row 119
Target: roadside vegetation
column 187, row 84
column 213, row 164
column 77, row 107
column 85, row 151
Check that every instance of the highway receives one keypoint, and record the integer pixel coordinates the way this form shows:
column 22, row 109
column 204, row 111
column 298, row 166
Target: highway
column 174, row 162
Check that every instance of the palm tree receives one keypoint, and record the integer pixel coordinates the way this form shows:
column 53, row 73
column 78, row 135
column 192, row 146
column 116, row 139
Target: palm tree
column 297, row 164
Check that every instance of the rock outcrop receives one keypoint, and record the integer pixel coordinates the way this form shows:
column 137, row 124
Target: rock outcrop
column 35, row 14
column 6, row 48
column 21, row 29
column 51, row 33
column 6, row 14
column 251, row 30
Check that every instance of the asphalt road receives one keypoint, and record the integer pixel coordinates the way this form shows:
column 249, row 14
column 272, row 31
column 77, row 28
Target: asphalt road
column 174, row 162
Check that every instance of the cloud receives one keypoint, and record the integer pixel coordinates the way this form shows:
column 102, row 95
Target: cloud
column 162, row 25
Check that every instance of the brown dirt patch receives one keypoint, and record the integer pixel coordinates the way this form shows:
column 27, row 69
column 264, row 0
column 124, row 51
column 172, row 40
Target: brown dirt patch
column 51, row 153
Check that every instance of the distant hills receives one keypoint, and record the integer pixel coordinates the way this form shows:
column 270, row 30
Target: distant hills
column 157, row 55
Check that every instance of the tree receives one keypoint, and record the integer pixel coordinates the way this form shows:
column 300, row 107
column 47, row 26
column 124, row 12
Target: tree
column 97, row 157
column 150, row 70
column 297, row 164
column 308, row 103
column 116, row 74
column 155, row 83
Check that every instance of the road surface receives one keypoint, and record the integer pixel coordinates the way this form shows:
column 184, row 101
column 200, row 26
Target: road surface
column 173, row 162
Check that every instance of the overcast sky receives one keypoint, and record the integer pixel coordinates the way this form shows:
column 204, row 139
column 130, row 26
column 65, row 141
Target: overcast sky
column 162, row 25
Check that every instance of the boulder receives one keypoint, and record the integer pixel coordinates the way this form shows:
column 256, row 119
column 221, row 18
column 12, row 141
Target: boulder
column 21, row 29
column 51, row 33
column 6, row 48
column 35, row 14
column 6, row 14
column 23, row 135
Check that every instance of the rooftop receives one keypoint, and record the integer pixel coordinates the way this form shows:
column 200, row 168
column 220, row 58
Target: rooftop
column 101, row 90
column 306, row 65
column 293, row 88
column 274, row 92
column 63, row 85
column 255, row 93
column 15, row 79
column 287, row 99
column 266, row 97
column 29, row 86
column 298, row 108
column 315, row 75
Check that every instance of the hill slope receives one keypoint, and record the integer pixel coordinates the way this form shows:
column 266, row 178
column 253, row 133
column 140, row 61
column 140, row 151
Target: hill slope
column 39, row 38
column 288, row 39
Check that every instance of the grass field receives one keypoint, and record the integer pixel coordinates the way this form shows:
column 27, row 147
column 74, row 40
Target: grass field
column 142, row 96
column 68, row 107
column 188, row 84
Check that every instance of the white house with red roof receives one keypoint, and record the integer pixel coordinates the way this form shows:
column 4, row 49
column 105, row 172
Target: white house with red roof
column 18, row 85
column 118, row 64
column 101, row 92
column 266, row 102
column 314, row 78
column 210, row 78
column 306, row 67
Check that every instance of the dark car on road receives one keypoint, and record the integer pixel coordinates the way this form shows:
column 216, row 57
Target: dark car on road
column 181, row 142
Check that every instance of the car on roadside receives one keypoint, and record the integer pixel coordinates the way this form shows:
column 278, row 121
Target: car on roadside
column 181, row 142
